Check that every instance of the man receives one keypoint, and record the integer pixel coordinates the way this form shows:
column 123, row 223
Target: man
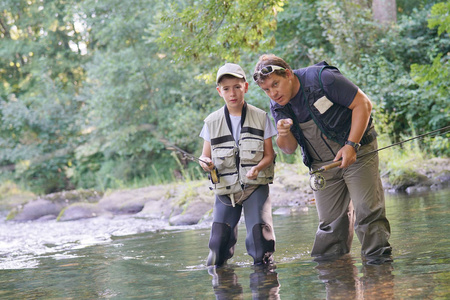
column 330, row 118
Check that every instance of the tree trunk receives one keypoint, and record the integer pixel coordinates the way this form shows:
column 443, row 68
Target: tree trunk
column 384, row 11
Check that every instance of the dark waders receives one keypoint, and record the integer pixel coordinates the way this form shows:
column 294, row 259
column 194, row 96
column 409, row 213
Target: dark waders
column 353, row 200
column 260, row 240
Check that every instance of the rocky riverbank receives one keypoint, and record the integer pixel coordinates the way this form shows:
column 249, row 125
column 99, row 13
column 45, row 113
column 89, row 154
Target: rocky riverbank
column 191, row 202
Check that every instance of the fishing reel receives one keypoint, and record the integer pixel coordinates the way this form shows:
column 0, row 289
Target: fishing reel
column 316, row 181
column 214, row 176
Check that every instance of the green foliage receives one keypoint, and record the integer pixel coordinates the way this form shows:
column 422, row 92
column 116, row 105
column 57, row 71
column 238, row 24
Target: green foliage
column 406, row 7
column 403, row 106
column 299, row 34
column 440, row 17
column 40, row 69
column 135, row 96
column 12, row 195
column 225, row 29
column 400, row 163
column 434, row 78
column 92, row 91
column 348, row 27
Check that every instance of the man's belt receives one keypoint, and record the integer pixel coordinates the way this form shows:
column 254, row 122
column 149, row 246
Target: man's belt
column 369, row 137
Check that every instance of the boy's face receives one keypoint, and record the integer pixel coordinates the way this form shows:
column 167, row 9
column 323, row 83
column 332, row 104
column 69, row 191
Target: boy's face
column 232, row 90
column 280, row 89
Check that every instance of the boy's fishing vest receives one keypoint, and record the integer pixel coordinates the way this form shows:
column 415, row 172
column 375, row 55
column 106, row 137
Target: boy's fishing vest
column 335, row 122
column 234, row 161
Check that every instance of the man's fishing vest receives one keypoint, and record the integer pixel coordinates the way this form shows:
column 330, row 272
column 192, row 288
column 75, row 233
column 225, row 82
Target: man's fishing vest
column 333, row 120
column 234, row 161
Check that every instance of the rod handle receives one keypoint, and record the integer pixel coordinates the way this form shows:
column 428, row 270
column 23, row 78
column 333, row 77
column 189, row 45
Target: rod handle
column 331, row 166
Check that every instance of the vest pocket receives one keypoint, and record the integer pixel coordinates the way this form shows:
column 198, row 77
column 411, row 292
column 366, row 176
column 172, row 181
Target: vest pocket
column 264, row 176
column 251, row 150
column 268, row 173
column 227, row 184
column 223, row 158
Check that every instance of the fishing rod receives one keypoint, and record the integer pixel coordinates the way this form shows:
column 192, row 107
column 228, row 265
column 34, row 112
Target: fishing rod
column 317, row 181
column 213, row 174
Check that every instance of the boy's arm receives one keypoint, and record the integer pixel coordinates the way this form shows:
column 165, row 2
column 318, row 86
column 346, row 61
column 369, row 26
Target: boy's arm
column 206, row 156
column 268, row 157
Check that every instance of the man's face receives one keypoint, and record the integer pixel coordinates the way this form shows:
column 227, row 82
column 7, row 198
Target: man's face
column 232, row 90
column 280, row 89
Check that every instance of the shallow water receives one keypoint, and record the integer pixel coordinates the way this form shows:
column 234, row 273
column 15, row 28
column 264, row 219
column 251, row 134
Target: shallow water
column 132, row 258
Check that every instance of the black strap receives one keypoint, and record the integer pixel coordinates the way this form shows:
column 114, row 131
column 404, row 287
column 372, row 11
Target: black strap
column 252, row 130
column 368, row 137
column 243, row 114
column 222, row 139
column 307, row 157
column 227, row 117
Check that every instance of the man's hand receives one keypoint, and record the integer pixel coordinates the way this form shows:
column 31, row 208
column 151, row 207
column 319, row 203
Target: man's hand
column 284, row 126
column 285, row 139
column 348, row 155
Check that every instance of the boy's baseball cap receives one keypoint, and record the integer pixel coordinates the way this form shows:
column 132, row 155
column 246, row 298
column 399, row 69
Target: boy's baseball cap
column 230, row 69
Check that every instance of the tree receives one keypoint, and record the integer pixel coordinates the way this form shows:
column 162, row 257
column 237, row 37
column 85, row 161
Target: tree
column 88, row 88
column 435, row 77
column 384, row 11
column 224, row 29
column 136, row 93
column 41, row 72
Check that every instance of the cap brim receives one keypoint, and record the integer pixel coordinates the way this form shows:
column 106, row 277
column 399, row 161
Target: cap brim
column 229, row 73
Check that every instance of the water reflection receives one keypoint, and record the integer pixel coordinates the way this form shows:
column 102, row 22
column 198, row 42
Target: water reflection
column 264, row 283
column 100, row 259
column 342, row 279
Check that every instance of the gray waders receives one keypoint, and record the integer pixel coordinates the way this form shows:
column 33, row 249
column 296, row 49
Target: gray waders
column 352, row 200
column 260, row 240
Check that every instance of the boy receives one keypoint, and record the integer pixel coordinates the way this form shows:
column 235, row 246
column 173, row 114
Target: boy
column 238, row 142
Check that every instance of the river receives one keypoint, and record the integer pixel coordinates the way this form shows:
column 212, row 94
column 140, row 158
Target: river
column 130, row 257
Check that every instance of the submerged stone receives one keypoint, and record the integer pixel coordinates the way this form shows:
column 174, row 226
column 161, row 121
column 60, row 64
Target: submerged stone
column 79, row 211
column 36, row 209
column 195, row 212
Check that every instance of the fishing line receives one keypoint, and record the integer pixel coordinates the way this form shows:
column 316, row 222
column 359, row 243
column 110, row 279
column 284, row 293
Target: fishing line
column 317, row 181
column 213, row 173
column 437, row 131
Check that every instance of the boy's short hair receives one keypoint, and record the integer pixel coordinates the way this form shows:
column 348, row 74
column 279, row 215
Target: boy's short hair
column 233, row 70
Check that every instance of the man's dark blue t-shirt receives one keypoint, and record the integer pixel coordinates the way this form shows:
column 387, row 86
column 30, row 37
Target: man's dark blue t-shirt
column 339, row 89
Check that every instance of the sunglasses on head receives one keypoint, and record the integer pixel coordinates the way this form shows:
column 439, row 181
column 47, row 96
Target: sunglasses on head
column 267, row 70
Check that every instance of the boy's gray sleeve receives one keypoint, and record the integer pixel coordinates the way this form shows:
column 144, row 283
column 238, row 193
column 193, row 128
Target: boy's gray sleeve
column 204, row 134
column 270, row 129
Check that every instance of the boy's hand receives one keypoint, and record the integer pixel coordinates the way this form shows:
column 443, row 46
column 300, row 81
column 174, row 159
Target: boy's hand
column 206, row 167
column 284, row 126
column 252, row 173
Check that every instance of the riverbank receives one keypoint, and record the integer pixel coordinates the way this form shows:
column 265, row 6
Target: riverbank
column 190, row 202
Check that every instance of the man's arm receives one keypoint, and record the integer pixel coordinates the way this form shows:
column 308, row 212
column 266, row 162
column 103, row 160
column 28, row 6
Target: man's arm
column 285, row 139
column 361, row 108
